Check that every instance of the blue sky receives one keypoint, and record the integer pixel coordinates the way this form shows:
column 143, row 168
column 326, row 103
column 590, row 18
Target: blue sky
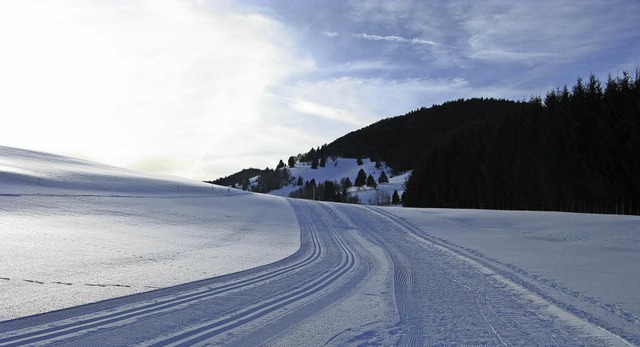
column 205, row 88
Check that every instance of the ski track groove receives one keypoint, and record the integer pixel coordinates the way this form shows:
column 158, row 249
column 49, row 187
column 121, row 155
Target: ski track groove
column 76, row 327
column 513, row 276
column 211, row 329
column 92, row 323
column 335, row 264
column 478, row 256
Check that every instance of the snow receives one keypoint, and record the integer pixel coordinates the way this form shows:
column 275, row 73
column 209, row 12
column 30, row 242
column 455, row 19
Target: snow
column 75, row 232
column 597, row 254
column 338, row 168
column 317, row 273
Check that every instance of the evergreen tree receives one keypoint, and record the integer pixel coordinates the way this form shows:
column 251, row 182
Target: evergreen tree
column 314, row 163
column 371, row 182
column 395, row 198
column 280, row 165
column 359, row 161
column 299, row 183
column 346, row 183
column 322, row 153
column 361, row 179
column 383, row 178
column 292, row 162
column 330, row 192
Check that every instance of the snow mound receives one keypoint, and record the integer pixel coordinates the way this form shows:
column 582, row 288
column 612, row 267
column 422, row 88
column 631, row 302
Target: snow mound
column 28, row 172
column 75, row 232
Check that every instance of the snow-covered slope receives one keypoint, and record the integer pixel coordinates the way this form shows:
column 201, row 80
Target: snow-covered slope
column 74, row 231
column 338, row 168
column 596, row 255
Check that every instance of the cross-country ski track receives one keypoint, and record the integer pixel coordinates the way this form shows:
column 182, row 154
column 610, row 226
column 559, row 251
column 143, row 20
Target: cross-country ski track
column 362, row 276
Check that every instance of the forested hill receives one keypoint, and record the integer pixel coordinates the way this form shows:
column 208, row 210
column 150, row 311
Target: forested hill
column 238, row 178
column 576, row 150
column 400, row 141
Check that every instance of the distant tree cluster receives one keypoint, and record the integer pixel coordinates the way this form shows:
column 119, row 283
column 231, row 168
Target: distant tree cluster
column 576, row 150
column 317, row 157
column 339, row 192
column 238, row 179
column 362, row 179
column 272, row 179
column 326, row 191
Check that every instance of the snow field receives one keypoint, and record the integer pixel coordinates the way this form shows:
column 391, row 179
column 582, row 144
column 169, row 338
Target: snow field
column 66, row 244
column 596, row 253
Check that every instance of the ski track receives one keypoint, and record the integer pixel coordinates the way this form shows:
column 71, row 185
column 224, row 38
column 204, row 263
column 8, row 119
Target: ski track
column 443, row 294
column 503, row 318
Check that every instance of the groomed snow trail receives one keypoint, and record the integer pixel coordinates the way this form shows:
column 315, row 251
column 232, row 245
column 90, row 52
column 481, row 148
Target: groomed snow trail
column 446, row 295
column 362, row 276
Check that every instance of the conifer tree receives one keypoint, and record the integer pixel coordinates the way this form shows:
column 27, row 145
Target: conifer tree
column 361, row 179
column 371, row 182
column 383, row 178
column 395, row 198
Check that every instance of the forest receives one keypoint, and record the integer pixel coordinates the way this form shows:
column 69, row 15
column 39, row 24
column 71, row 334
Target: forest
column 399, row 141
column 577, row 150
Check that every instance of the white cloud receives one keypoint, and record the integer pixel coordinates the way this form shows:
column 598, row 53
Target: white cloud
column 496, row 31
column 330, row 33
column 395, row 39
column 122, row 82
column 324, row 111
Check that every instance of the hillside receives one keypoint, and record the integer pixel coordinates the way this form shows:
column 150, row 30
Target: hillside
column 337, row 169
column 578, row 150
column 400, row 141
column 397, row 143
column 75, row 231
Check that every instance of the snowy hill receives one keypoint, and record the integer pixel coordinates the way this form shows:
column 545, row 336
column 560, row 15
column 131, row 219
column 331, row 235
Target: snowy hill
column 29, row 172
column 75, row 232
column 337, row 169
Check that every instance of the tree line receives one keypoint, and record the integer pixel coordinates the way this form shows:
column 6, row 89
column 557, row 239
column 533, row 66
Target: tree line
column 577, row 150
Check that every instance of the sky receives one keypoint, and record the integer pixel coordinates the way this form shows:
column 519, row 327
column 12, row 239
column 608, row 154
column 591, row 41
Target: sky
column 203, row 89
